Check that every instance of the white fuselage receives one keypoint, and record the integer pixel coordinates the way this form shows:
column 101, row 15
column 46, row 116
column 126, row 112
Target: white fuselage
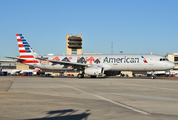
column 110, row 62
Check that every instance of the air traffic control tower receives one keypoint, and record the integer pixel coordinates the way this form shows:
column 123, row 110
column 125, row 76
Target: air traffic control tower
column 73, row 44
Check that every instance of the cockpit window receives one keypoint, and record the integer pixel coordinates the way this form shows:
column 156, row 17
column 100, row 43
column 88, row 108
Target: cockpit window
column 164, row 59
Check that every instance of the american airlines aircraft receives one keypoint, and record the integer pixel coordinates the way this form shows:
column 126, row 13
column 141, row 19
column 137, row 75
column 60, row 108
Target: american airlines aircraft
column 92, row 65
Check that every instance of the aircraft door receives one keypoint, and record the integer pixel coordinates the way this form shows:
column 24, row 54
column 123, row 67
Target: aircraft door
column 151, row 60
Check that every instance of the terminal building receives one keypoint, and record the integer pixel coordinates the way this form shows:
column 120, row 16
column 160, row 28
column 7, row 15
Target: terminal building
column 173, row 58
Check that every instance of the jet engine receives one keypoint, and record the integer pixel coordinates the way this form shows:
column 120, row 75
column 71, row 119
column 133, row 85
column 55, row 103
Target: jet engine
column 94, row 70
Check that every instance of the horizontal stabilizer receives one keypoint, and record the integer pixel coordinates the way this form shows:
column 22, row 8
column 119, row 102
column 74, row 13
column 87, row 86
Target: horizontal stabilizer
column 16, row 58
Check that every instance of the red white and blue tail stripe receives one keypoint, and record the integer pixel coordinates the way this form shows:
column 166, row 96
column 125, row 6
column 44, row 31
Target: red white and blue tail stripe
column 25, row 50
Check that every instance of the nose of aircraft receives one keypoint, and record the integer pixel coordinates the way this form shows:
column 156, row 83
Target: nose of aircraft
column 171, row 65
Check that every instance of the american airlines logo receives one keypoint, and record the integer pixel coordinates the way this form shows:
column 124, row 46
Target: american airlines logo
column 144, row 60
column 121, row 60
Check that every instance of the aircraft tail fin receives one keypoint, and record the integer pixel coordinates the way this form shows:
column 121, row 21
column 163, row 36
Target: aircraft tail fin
column 25, row 50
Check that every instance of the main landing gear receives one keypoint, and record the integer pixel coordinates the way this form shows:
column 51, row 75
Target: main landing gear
column 80, row 75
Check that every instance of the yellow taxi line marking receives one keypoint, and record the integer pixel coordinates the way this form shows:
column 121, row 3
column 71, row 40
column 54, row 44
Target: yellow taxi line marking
column 8, row 92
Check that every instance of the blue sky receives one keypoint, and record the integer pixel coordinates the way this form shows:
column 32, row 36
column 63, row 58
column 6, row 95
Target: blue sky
column 134, row 26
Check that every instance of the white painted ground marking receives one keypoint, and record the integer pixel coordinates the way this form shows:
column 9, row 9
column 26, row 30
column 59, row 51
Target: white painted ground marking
column 143, row 96
column 122, row 105
column 149, row 87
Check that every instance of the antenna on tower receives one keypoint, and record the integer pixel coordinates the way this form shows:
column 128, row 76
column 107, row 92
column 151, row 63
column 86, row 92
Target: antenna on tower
column 111, row 47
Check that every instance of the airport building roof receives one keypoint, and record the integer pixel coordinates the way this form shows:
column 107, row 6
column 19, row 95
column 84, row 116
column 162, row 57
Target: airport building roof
column 7, row 62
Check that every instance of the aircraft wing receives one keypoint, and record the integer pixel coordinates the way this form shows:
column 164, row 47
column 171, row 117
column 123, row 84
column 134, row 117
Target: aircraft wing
column 68, row 63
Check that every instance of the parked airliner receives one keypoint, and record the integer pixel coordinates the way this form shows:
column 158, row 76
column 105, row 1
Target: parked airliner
column 14, row 71
column 92, row 65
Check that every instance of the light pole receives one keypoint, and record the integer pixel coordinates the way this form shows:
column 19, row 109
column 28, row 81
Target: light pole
column 111, row 47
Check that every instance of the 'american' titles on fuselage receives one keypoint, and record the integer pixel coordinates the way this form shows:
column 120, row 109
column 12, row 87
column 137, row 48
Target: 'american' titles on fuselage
column 120, row 60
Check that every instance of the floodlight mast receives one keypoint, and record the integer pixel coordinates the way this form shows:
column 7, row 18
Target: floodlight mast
column 111, row 47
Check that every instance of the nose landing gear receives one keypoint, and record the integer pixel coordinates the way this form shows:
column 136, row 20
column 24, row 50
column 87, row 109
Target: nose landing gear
column 153, row 75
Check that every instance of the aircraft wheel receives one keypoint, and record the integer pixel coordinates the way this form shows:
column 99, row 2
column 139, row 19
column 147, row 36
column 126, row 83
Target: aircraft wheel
column 80, row 76
column 153, row 77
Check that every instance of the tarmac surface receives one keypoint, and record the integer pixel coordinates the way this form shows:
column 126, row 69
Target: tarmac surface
column 70, row 98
